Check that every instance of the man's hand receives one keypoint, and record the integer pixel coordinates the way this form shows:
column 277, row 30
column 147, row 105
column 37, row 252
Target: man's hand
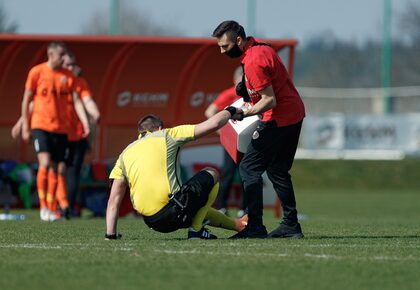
column 17, row 129
column 239, row 115
column 26, row 132
column 235, row 113
column 86, row 131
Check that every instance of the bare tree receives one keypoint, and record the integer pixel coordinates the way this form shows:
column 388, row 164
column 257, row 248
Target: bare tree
column 5, row 25
column 409, row 21
column 131, row 22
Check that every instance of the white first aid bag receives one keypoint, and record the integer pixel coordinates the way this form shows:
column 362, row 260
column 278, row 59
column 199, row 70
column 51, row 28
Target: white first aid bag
column 235, row 136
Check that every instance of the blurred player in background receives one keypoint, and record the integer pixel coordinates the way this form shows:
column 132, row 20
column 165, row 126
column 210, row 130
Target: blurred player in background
column 148, row 168
column 229, row 167
column 78, row 144
column 49, row 86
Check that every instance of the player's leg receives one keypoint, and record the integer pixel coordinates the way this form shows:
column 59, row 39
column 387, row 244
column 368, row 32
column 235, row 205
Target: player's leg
column 51, row 189
column 73, row 177
column 218, row 219
column 58, row 157
column 62, row 193
column 42, row 147
column 226, row 179
column 206, row 187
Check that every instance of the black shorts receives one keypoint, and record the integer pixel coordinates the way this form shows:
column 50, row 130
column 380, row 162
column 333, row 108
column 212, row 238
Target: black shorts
column 184, row 204
column 53, row 143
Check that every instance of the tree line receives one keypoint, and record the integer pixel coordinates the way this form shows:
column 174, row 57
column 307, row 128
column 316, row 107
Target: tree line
column 324, row 61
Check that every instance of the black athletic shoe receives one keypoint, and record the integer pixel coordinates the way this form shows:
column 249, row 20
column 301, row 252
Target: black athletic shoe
column 251, row 233
column 66, row 213
column 203, row 234
column 285, row 230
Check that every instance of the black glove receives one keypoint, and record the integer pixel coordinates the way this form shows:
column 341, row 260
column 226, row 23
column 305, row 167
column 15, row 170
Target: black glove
column 232, row 110
column 116, row 236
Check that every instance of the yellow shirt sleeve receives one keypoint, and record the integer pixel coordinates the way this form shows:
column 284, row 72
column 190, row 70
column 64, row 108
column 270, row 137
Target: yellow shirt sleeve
column 117, row 172
column 182, row 134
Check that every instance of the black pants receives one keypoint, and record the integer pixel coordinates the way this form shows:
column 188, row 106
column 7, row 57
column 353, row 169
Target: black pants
column 272, row 149
column 73, row 173
column 226, row 179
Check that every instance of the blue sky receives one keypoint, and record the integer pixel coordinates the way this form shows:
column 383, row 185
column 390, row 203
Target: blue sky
column 354, row 20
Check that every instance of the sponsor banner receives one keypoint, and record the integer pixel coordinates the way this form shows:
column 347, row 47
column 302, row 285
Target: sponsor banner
column 362, row 132
column 323, row 132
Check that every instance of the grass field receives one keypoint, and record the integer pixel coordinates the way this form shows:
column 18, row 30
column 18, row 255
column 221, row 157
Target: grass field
column 354, row 240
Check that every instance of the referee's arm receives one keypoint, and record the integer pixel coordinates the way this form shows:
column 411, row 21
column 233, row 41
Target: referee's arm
column 115, row 198
column 217, row 121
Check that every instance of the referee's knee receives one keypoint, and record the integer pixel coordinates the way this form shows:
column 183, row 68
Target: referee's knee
column 213, row 172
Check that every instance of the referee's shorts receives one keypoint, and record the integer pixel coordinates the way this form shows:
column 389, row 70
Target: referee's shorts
column 183, row 205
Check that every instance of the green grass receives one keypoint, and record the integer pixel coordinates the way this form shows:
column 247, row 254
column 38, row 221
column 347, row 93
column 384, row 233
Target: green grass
column 355, row 239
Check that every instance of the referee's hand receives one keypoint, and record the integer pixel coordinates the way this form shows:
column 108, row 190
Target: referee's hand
column 239, row 116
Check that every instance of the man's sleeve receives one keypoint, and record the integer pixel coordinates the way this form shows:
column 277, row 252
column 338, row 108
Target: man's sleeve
column 259, row 73
column 117, row 172
column 31, row 81
column 182, row 134
column 84, row 88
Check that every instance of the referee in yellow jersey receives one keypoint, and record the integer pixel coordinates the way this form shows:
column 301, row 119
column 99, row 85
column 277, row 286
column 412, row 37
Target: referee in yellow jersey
column 148, row 168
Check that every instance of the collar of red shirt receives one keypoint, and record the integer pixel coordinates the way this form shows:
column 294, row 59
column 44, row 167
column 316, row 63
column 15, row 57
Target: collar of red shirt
column 250, row 41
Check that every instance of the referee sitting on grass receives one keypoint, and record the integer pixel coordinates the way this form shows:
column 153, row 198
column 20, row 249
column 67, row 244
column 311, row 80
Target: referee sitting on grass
column 148, row 167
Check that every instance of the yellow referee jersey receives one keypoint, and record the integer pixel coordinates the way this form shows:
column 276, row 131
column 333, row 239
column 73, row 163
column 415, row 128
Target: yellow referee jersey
column 148, row 166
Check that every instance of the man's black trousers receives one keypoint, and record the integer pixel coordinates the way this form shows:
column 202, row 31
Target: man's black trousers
column 272, row 149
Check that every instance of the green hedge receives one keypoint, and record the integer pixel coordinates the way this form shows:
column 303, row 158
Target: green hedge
column 357, row 174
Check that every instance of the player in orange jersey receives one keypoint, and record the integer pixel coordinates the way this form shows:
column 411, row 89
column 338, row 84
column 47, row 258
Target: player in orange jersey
column 77, row 143
column 49, row 86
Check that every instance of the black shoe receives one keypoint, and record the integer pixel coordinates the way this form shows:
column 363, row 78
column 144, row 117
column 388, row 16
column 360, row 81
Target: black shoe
column 203, row 234
column 66, row 213
column 285, row 230
column 251, row 233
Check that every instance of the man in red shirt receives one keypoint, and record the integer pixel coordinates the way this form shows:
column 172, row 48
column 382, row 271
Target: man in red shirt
column 229, row 167
column 267, row 84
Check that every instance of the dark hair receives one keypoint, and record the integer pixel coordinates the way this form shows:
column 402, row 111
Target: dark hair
column 231, row 28
column 55, row 44
column 71, row 55
column 149, row 123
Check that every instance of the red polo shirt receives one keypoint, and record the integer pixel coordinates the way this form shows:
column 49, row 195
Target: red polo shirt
column 263, row 67
column 226, row 98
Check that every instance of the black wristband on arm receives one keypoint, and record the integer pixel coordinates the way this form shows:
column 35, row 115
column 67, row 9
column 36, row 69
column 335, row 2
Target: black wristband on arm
column 232, row 110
